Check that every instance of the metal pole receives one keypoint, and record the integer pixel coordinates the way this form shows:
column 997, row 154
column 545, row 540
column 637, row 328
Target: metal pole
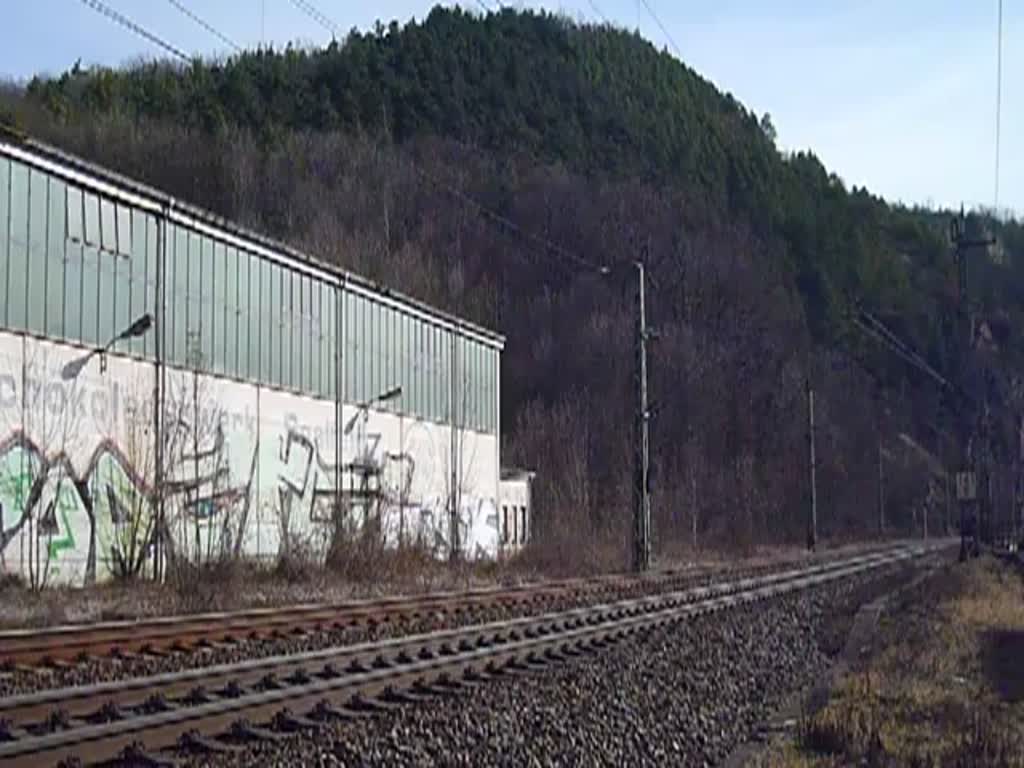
column 881, row 490
column 340, row 301
column 158, row 394
column 968, row 420
column 927, row 504
column 1016, row 504
column 949, row 502
column 642, row 500
column 453, row 513
column 812, row 533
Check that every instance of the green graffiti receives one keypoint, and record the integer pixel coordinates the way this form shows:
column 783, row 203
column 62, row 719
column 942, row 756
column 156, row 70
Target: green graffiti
column 15, row 487
column 68, row 540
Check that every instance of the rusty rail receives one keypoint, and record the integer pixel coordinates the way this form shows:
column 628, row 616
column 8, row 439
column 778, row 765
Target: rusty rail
column 31, row 646
column 76, row 642
column 105, row 721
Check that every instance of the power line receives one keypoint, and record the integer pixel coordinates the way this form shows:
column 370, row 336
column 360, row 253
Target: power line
column 543, row 243
column 127, row 23
column 661, row 26
column 208, row 27
column 316, row 15
column 597, row 10
column 879, row 332
column 999, row 99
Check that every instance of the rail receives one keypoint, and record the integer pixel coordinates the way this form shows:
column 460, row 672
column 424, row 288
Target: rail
column 111, row 720
column 75, row 642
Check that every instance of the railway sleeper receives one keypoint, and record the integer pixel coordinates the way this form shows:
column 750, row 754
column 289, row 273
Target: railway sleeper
column 356, row 666
column 427, row 690
column 246, row 731
column 193, row 742
column 300, row 676
column 156, row 703
column 325, row 711
column 196, row 696
column 371, row 704
column 137, row 755
column 109, row 712
column 446, row 681
column 287, row 721
column 269, row 682
column 57, row 720
column 393, row 695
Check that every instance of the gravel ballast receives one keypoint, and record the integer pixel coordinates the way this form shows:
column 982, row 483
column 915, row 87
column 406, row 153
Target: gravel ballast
column 106, row 669
column 686, row 695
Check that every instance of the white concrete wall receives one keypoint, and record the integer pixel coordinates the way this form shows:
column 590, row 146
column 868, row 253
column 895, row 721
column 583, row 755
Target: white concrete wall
column 515, row 513
column 243, row 466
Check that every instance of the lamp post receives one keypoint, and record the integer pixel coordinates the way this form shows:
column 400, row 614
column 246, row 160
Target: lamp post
column 363, row 409
column 138, row 328
column 71, row 370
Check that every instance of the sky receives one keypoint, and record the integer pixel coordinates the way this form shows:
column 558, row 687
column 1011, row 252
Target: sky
column 895, row 95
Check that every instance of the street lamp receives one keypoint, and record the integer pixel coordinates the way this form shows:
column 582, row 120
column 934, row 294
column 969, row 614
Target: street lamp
column 363, row 408
column 138, row 328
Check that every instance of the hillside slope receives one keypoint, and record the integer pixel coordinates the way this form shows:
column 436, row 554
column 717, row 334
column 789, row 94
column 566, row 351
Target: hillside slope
column 588, row 136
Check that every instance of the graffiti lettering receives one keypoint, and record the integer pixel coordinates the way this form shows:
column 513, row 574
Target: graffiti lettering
column 226, row 449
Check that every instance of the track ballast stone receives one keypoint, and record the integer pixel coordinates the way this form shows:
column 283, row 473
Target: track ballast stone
column 685, row 695
column 100, row 670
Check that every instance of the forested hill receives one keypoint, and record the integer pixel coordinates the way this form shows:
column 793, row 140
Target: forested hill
column 599, row 100
column 591, row 138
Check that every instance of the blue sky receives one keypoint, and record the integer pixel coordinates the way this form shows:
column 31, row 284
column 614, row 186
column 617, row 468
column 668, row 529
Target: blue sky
column 897, row 95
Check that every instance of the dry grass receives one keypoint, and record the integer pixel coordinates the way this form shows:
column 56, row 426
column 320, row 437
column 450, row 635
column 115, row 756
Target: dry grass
column 946, row 687
column 357, row 568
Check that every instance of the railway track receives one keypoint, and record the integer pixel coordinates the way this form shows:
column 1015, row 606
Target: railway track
column 192, row 708
column 81, row 642
column 70, row 643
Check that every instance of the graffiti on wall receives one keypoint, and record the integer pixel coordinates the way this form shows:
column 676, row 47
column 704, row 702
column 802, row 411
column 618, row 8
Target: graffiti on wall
column 46, row 489
column 78, row 469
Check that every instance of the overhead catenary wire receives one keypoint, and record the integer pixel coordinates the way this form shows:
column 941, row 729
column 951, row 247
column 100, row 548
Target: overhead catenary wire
column 205, row 25
column 547, row 246
column 999, row 100
column 130, row 25
column 318, row 16
column 595, row 9
column 878, row 330
column 544, row 244
column 664, row 30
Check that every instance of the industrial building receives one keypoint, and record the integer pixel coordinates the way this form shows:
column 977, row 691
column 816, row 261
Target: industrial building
column 295, row 399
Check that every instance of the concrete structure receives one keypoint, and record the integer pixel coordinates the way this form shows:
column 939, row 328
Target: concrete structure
column 295, row 399
column 516, row 513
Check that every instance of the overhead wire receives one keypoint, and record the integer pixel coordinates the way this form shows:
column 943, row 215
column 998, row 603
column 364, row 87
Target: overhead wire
column 130, row 25
column 999, row 100
column 205, row 25
column 662, row 27
column 879, row 331
column 546, row 245
column 318, row 16
column 597, row 10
